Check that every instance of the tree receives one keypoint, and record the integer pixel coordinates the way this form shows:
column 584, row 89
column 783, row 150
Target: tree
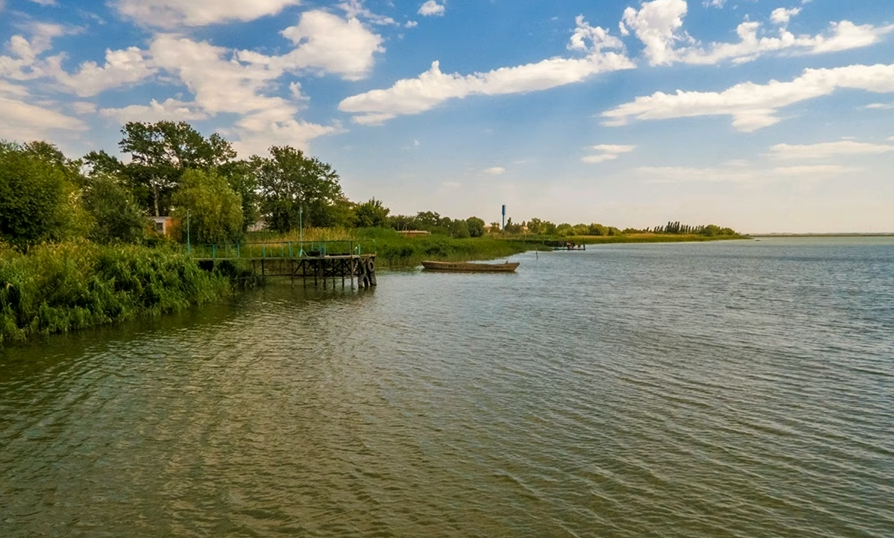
column 160, row 153
column 215, row 210
column 241, row 178
column 476, row 226
column 371, row 214
column 460, row 229
column 116, row 215
column 289, row 181
column 38, row 202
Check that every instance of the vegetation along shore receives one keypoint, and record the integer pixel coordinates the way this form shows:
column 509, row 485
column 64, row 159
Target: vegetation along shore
column 98, row 239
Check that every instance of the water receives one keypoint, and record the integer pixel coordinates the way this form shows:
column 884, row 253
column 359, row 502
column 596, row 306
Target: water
column 698, row 390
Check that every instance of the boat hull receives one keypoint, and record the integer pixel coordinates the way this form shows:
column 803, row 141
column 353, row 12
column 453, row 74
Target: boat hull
column 464, row 267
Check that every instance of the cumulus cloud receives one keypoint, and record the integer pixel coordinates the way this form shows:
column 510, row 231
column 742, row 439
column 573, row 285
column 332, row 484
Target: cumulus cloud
column 330, row 44
column 782, row 15
column 658, row 24
column 827, row 150
column 412, row 96
column 431, row 8
column 170, row 109
column 494, row 171
column 221, row 84
column 121, row 67
column 754, row 106
column 607, row 152
column 173, row 13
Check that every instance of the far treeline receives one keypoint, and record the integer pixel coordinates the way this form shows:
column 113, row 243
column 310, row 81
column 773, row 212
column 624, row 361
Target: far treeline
column 173, row 170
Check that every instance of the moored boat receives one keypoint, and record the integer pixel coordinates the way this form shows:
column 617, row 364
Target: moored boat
column 465, row 267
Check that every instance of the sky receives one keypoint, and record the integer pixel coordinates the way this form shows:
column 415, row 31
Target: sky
column 761, row 115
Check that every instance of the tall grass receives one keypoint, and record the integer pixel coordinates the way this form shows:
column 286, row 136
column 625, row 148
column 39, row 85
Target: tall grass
column 69, row 286
column 396, row 250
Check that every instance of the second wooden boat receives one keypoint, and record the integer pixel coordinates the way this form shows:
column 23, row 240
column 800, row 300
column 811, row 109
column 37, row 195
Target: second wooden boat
column 465, row 267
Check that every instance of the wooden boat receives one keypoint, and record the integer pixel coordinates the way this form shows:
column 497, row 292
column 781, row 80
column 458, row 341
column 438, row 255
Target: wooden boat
column 465, row 267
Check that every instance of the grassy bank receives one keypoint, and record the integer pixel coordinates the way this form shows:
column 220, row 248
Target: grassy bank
column 651, row 238
column 63, row 287
column 395, row 250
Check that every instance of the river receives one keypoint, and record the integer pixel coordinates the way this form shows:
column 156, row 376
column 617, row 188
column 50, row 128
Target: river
column 734, row 389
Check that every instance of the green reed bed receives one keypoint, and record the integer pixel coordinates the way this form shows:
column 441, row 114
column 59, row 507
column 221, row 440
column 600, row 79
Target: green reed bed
column 63, row 287
column 394, row 250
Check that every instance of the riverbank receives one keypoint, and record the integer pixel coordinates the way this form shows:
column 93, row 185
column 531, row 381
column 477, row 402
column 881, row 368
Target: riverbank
column 57, row 288
column 397, row 250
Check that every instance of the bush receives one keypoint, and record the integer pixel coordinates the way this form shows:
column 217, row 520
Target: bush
column 62, row 287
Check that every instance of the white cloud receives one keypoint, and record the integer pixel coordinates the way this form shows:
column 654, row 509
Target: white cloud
column 843, row 35
column 782, row 15
column 879, row 106
column 431, row 8
column 412, row 96
column 22, row 121
column 494, row 171
column 411, row 24
column 171, row 109
column 45, row 2
column 221, row 84
column 657, row 24
column 355, row 9
column 827, row 150
column 82, row 108
column 122, row 67
column 172, row 13
column 608, row 152
column 754, row 106
column 327, row 43
column 714, row 3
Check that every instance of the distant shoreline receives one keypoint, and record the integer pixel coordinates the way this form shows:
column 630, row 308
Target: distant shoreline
column 844, row 234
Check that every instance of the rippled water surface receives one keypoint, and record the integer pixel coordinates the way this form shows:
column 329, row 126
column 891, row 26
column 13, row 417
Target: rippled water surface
column 697, row 390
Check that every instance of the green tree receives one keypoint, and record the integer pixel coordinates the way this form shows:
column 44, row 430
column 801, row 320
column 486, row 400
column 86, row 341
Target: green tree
column 241, row 178
column 289, row 181
column 460, row 229
column 371, row 214
column 476, row 226
column 160, row 153
column 117, row 216
column 37, row 200
column 215, row 210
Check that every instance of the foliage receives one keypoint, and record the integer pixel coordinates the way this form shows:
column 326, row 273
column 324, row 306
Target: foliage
column 116, row 215
column 242, row 180
column 371, row 214
column 160, row 153
column 291, row 182
column 476, row 226
column 37, row 200
column 62, row 287
column 215, row 210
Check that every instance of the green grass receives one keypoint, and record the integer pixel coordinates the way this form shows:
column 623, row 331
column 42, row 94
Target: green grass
column 395, row 250
column 63, row 287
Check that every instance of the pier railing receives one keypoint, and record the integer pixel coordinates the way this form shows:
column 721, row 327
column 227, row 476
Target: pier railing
column 280, row 249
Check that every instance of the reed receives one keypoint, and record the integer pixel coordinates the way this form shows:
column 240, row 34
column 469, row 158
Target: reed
column 68, row 286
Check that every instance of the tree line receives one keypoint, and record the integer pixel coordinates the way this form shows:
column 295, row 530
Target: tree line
column 170, row 169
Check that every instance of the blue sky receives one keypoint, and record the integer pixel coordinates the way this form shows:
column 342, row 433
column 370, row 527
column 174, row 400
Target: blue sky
column 763, row 115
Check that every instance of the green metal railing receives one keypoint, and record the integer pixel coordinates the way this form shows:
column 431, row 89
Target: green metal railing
column 281, row 249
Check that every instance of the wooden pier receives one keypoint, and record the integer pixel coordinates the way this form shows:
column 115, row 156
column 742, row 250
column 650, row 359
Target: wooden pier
column 323, row 262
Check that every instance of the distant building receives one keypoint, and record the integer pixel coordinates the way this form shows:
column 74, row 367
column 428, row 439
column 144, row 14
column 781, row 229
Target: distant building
column 413, row 233
column 162, row 225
